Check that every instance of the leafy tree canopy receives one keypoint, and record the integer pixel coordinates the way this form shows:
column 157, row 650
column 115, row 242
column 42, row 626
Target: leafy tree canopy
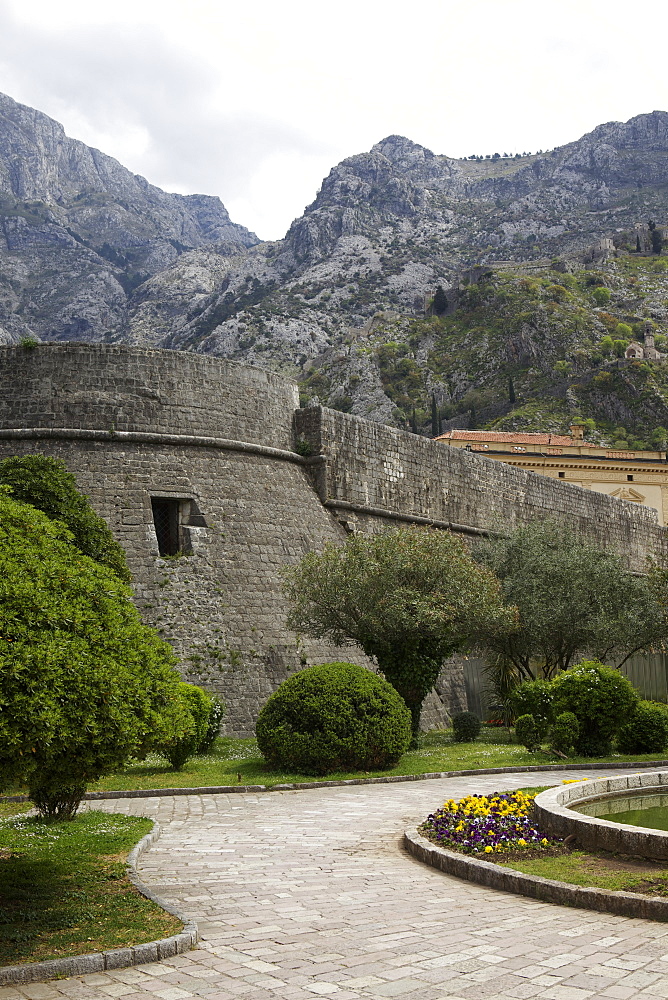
column 573, row 598
column 410, row 597
column 46, row 484
column 83, row 683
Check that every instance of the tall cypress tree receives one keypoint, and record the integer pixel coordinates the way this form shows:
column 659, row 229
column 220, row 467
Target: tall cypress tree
column 435, row 422
column 440, row 303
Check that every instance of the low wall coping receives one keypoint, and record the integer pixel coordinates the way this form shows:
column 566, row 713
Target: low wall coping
column 554, row 814
column 626, row 904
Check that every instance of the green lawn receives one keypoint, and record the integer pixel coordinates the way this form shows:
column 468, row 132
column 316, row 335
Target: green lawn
column 64, row 890
column 237, row 761
column 598, row 870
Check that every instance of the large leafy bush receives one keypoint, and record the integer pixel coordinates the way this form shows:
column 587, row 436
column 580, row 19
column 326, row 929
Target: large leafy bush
column 645, row 732
column 334, row 717
column 83, row 683
column 600, row 698
column 46, row 484
column 465, row 727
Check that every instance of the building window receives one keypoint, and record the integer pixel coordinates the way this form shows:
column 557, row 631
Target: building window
column 166, row 521
column 562, row 475
column 177, row 521
column 629, row 479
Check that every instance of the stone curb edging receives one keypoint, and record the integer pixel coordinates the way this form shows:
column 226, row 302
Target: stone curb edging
column 142, row 793
column 556, row 811
column 625, row 904
column 118, row 958
column 155, row 951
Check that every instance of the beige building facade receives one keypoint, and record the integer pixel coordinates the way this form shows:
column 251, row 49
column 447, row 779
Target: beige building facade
column 638, row 476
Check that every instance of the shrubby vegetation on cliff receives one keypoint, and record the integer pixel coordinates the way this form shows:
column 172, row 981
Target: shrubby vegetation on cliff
column 532, row 350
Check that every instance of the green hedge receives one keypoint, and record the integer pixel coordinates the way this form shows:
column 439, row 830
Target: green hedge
column 334, row 717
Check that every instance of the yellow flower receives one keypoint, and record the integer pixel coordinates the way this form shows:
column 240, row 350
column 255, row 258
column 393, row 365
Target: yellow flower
column 544, row 842
column 488, row 849
column 522, row 842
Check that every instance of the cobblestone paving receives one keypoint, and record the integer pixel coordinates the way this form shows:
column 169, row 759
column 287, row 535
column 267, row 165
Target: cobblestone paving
column 309, row 894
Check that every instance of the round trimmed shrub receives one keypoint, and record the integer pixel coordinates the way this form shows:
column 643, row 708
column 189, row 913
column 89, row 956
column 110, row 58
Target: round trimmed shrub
column 528, row 732
column 334, row 717
column 184, row 742
column 465, row 727
column 534, row 698
column 645, row 732
column 564, row 732
column 600, row 698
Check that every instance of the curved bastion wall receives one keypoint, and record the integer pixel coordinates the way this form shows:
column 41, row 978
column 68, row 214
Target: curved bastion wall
column 116, row 388
column 217, row 438
column 213, row 442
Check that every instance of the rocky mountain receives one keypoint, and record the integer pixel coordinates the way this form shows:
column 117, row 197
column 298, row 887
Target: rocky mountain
column 80, row 232
column 345, row 302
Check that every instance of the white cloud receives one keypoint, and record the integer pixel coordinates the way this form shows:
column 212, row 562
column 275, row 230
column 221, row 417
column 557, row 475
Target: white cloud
column 256, row 103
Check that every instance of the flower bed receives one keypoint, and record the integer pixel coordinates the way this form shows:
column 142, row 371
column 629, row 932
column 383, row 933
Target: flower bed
column 481, row 824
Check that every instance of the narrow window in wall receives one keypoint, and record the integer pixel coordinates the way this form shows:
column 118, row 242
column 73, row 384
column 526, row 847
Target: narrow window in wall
column 562, row 475
column 166, row 521
column 629, row 479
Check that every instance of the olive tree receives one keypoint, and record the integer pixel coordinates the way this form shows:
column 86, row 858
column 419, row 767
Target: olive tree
column 410, row 597
column 574, row 599
column 83, row 683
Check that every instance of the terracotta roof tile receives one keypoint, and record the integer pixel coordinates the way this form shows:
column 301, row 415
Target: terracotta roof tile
column 510, row 438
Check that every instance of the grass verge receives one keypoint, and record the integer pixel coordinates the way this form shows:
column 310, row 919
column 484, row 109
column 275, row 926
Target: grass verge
column 591, row 869
column 64, row 889
column 597, row 870
column 235, row 761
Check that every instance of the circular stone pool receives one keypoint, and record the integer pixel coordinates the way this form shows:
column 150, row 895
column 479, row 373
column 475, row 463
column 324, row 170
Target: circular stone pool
column 603, row 813
column 649, row 809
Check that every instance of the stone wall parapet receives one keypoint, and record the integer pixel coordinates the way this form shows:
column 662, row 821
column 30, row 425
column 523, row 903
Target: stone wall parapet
column 122, row 388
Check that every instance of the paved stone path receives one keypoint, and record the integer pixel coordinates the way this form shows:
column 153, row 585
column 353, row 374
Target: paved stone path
column 309, row 894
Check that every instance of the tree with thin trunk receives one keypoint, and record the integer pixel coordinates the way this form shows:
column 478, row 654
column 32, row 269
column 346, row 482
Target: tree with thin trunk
column 409, row 597
column 574, row 599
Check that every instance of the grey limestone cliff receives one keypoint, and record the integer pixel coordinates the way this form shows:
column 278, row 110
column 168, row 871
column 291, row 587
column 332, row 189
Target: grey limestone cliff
column 79, row 231
column 91, row 252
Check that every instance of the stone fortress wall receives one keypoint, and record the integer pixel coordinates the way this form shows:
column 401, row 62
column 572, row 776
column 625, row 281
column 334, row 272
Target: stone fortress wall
column 218, row 439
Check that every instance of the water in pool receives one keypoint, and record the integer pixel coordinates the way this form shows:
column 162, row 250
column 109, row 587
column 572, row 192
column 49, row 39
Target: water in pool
column 649, row 810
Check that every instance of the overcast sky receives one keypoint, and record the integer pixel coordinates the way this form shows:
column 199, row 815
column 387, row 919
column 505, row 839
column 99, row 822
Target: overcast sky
column 256, row 101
